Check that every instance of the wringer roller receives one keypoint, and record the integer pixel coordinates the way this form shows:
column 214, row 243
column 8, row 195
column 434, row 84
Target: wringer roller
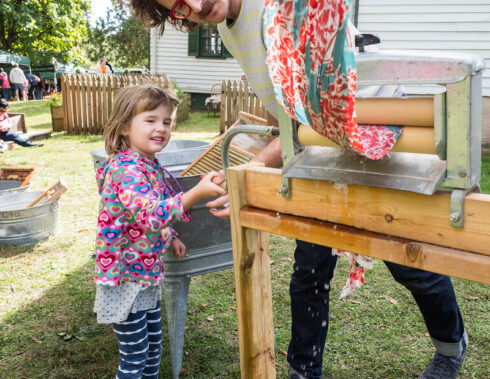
column 440, row 144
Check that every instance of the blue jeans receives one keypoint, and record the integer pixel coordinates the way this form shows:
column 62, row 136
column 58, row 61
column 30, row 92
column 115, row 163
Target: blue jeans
column 4, row 93
column 6, row 136
column 309, row 290
column 39, row 93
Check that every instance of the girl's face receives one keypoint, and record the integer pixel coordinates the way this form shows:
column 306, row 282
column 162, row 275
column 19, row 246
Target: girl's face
column 149, row 132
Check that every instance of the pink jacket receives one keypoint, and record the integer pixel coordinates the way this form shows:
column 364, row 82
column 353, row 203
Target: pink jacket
column 136, row 211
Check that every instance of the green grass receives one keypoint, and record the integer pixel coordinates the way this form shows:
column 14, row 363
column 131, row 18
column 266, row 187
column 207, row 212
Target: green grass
column 48, row 330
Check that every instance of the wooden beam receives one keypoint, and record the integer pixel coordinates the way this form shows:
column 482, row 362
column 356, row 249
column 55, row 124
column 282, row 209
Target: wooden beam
column 403, row 214
column 251, row 259
column 461, row 264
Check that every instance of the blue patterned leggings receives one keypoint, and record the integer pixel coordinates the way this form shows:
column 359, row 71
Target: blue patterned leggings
column 140, row 344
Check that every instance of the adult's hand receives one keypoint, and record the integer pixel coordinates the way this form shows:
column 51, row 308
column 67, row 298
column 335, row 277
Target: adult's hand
column 221, row 202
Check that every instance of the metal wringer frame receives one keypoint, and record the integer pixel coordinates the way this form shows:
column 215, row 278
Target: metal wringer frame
column 457, row 110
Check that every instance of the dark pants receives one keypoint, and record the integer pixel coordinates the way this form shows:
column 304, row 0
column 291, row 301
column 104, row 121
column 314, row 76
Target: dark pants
column 310, row 287
column 4, row 93
column 5, row 136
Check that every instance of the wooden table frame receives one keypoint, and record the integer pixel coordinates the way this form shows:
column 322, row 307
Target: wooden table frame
column 397, row 226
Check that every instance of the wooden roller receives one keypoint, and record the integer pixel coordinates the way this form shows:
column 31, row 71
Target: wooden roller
column 413, row 110
column 414, row 139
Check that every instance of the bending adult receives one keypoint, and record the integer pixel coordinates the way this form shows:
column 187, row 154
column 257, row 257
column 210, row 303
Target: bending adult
column 314, row 265
column 17, row 80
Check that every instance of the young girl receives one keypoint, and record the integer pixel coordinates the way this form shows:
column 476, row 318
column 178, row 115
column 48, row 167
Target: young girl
column 136, row 211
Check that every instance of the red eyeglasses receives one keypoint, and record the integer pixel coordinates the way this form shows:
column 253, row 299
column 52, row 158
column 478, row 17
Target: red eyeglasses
column 180, row 10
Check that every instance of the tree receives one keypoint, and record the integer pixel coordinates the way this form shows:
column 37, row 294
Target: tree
column 119, row 37
column 44, row 29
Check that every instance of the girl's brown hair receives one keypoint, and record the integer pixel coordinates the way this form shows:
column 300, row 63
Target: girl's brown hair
column 154, row 15
column 129, row 102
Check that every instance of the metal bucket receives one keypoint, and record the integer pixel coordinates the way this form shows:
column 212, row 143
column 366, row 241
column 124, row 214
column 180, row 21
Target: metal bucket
column 175, row 157
column 25, row 226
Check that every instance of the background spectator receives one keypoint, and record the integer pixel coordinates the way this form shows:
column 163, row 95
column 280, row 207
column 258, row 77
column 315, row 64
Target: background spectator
column 17, row 78
column 103, row 68
column 39, row 90
column 32, row 80
column 4, row 84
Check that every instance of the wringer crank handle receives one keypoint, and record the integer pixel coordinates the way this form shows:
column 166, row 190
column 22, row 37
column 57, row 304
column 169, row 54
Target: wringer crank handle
column 255, row 129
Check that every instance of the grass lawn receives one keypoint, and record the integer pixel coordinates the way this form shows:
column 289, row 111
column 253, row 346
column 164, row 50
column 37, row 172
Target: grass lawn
column 48, row 330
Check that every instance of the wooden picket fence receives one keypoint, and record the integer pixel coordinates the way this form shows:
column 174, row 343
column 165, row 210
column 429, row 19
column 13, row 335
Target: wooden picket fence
column 235, row 98
column 88, row 99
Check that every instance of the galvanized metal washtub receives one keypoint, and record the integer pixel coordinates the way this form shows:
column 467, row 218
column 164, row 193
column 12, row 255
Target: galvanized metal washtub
column 207, row 239
column 24, row 226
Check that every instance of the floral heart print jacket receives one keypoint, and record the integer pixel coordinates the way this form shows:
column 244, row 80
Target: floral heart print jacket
column 136, row 211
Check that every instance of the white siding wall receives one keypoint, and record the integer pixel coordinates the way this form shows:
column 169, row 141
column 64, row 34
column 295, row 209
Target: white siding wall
column 169, row 56
column 445, row 25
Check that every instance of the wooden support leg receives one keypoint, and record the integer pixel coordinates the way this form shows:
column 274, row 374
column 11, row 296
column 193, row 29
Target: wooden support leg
column 251, row 258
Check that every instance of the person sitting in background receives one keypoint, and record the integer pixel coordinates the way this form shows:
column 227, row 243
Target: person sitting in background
column 5, row 134
column 17, row 78
column 4, row 84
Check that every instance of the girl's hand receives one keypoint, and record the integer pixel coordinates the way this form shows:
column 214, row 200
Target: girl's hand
column 178, row 247
column 210, row 185
column 205, row 188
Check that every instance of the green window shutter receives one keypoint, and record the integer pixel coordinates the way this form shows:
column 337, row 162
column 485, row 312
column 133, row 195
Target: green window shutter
column 226, row 53
column 193, row 43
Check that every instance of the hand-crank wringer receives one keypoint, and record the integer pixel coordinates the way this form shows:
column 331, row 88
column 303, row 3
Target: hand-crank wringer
column 456, row 129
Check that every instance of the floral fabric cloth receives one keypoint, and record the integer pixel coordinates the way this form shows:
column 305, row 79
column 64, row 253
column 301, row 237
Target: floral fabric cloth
column 312, row 67
column 357, row 268
column 136, row 211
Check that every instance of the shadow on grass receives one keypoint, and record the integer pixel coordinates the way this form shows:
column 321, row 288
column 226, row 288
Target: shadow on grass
column 57, row 336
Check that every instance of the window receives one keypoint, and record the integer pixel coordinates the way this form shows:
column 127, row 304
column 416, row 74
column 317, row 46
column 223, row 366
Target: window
column 206, row 43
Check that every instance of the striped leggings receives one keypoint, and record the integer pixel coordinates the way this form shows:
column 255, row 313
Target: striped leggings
column 140, row 344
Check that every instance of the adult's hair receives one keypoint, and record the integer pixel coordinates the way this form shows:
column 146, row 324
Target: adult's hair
column 129, row 102
column 153, row 15
column 15, row 64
